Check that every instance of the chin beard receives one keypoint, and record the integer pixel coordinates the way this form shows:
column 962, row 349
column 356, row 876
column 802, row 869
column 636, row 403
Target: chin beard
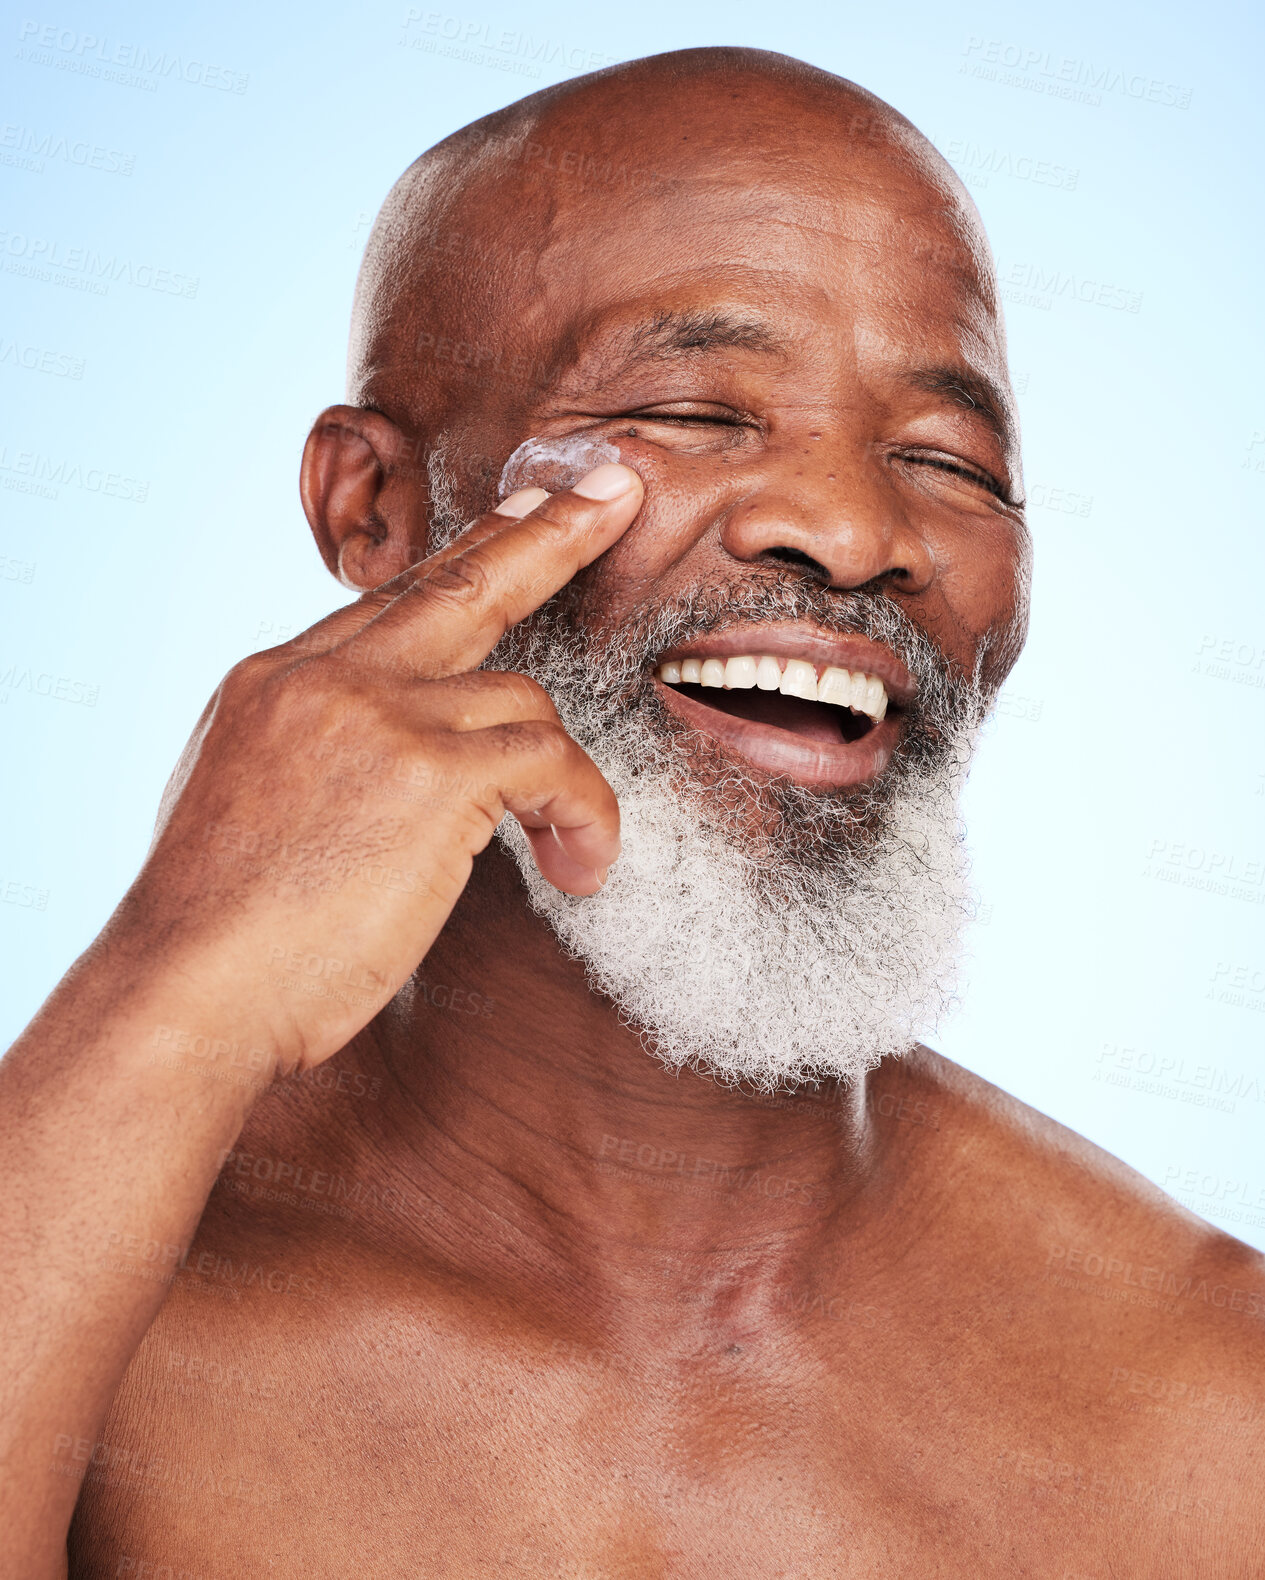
column 753, row 928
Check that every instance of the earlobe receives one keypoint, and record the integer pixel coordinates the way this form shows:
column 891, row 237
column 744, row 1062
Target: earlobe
column 360, row 511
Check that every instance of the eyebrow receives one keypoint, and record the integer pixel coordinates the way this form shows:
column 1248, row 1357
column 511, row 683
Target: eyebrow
column 670, row 332
column 969, row 389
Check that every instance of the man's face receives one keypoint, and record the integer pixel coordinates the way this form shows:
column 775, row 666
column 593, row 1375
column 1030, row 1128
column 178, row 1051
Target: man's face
column 803, row 365
column 808, row 375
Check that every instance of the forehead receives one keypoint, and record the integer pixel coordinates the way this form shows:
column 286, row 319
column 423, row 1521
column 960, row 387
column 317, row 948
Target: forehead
column 866, row 251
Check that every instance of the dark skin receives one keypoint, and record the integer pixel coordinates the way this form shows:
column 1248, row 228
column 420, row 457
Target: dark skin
column 567, row 1314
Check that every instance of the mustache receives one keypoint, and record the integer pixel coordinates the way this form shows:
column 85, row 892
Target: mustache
column 597, row 663
column 947, row 695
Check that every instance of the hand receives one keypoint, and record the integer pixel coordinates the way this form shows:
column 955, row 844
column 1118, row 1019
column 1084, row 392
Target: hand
column 325, row 816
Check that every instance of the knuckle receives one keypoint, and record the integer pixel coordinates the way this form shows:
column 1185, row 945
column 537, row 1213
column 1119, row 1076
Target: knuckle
column 377, row 598
column 324, row 697
column 461, row 579
column 542, row 738
column 346, row 668
column 524, row 695
column 304, row 645
column 251, row 669
column 460, row 701
column 327, row 679
column 248, row 677
column 489, row 699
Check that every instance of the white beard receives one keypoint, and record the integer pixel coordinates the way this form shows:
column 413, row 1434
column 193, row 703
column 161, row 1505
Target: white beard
column 751, row 929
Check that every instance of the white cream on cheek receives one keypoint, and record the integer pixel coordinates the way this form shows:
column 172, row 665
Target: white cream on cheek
column 554, row 464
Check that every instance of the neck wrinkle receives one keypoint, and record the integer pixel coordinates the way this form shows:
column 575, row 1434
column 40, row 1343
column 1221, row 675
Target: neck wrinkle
column 556, row 1155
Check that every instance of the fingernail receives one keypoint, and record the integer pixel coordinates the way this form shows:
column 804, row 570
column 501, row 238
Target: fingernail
column 601, row 873
column 521, row 503
column 606, row 482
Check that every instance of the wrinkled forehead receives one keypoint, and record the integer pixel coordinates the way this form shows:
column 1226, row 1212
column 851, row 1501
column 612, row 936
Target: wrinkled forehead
column 859, row 236
column 815, row 256
column 530, row 241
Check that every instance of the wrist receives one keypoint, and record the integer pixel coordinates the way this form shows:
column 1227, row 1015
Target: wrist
column 153, row 1018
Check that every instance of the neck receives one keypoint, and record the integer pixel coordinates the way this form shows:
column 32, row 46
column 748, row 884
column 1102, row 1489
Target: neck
column 551, row 1150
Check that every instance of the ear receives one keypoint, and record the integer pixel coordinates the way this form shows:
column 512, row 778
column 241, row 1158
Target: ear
column 364, row 494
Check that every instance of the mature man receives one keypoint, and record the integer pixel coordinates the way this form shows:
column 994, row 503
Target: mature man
column 610, row 1240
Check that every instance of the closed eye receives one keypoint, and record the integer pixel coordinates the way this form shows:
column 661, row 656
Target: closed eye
column 688, row 432
column 982, row 478
column 691, row 418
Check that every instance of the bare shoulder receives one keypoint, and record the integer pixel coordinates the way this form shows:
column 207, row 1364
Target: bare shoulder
column 1080, row 1188
column 1094, row 1224
column 1149, row 1317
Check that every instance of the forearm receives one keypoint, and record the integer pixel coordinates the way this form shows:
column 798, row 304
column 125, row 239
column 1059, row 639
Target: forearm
column 116, row 1106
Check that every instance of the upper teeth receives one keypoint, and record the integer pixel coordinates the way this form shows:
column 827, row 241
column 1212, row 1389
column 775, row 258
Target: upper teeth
column 845, row 688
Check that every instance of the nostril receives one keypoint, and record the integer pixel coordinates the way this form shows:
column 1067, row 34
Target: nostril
column 784, row 556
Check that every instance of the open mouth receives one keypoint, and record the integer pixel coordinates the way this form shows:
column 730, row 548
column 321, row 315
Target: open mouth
column 797, row 715
column 829, row 706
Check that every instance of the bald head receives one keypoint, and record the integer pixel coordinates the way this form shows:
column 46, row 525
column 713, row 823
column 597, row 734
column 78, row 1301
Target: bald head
column 470, row 277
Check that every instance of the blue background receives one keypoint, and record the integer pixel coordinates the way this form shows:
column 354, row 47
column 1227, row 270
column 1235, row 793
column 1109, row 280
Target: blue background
column 225, row 177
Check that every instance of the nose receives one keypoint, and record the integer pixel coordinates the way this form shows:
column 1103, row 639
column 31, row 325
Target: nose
column 836, row 522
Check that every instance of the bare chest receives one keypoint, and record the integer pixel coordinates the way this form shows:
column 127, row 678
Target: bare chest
column 297, row 1460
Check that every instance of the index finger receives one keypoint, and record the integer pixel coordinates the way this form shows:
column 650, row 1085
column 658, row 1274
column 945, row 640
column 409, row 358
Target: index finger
column 457, row 607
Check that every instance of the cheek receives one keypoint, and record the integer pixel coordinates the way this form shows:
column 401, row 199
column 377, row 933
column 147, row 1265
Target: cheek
column 1013, row 627
column 983, row 583
column 674, row 544
column 683, row 494
column 555, row 464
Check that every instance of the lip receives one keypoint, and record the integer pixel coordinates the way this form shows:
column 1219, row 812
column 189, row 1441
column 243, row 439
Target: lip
column 780, row 752
column 791, row 640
